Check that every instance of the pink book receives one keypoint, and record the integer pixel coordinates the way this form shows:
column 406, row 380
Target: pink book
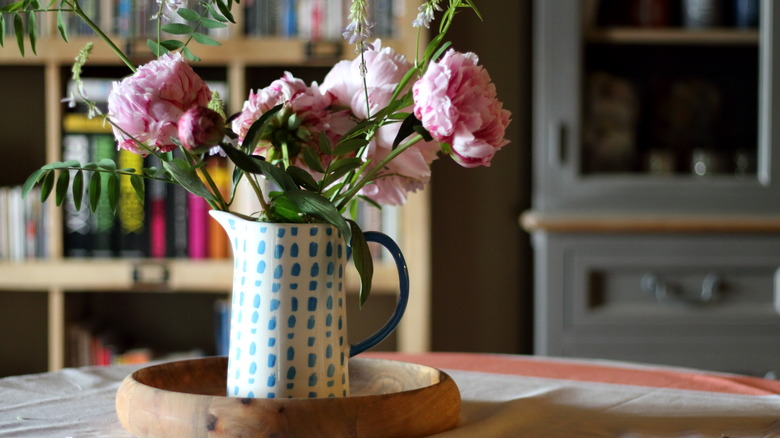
column 197, row 227
column 157, row 226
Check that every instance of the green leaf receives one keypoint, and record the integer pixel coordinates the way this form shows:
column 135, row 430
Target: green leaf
column 316, row 206
column 406, row 129
column 189, row 55
column 13, row 6
column 212, row 24
column 325, row 144
column 77, row 188
column 283, row 210
column 32, row 32
column 177, row 28
column 94, row 191
column 302, row 178
column 19, row 32
column 186, row 176
column 62, row 187
column 32, row 180
column 61, row 26
column 361, row 256
column 56, row 165
column 247, row 163
column 250, row 164
column 277, row 176
column 47, row 185
column 113, row 191
column 2, row 32
column 312, row 160
column 225, row 10
column 370, row 202
column 108, row 164
column 137, row 182
column 253, row 133
column 339, row 168
column 189, row 14
column 345, row 147
column 353, row 208
column 172, row 44
column 205, row 39
column 157, row 49
column 420, row 129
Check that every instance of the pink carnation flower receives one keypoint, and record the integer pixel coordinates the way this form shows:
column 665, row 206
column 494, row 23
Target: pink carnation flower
column 147, row 105
column 385, row 68
column 457, row 104
column 309, row 104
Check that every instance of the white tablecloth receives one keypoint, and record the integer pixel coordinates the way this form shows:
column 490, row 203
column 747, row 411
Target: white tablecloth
column 503, row 396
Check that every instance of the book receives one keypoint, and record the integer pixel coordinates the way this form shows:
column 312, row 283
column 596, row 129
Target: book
column 102, row 221
column 177, row 214
column 156, row 198
column 222, row 326
column 131, row 215
column 288, row 18
column 197, row 227
column 218, row 244
column 77, row 232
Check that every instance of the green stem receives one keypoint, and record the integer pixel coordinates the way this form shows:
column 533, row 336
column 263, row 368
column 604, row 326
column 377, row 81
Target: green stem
column 258, row 192
column 76, row 9
column 368, row 177
column 363, row 73
column 221, row 204
column 285, row 155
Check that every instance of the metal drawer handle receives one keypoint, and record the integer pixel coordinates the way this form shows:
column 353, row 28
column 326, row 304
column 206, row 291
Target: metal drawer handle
column 663, row 292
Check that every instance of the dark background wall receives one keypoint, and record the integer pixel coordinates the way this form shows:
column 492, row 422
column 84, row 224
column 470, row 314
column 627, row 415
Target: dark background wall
column 482, row 277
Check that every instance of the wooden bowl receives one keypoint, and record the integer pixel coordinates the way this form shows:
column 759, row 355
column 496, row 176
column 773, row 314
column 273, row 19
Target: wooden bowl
column 388, row 399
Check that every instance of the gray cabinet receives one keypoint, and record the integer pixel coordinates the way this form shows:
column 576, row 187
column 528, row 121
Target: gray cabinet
column 656, row 209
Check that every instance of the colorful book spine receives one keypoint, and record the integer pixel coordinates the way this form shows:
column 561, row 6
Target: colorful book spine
column 103, row 220
column 178, row 214
column 222, row 326
column 133, row 234
column 77, row 231
column 158, row 216
column 218, row 241
column 197, row 227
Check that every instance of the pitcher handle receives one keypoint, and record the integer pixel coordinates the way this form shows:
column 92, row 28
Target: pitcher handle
column 403, row 296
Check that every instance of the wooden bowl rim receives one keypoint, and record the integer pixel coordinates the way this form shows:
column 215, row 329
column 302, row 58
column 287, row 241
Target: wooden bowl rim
column 443, row 379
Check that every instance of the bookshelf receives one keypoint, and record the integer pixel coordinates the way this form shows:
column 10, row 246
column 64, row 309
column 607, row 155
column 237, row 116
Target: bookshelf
column 41, row 297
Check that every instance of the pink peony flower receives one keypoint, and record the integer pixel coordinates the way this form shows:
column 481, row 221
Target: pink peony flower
column 309, row 104
column 385, row 68
column 457, row 104
column 200, row 128
column 147, row 105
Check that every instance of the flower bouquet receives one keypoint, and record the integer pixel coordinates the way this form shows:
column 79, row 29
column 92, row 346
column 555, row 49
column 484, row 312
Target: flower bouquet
column 369, row 131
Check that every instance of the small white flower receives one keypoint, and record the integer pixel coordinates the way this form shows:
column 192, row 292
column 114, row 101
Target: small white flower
column 169, row 7
column 70, row 100
column 359, row 28
column 425, row 14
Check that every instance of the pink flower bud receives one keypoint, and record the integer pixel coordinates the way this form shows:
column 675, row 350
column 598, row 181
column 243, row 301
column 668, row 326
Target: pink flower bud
column 201, row 128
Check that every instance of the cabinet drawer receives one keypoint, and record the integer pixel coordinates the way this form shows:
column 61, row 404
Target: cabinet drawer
column 655, row 285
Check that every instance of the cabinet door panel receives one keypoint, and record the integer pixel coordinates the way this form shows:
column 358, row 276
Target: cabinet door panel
column 665, row 119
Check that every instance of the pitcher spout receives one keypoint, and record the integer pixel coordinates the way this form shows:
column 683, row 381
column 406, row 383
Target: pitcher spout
column 228, row 221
